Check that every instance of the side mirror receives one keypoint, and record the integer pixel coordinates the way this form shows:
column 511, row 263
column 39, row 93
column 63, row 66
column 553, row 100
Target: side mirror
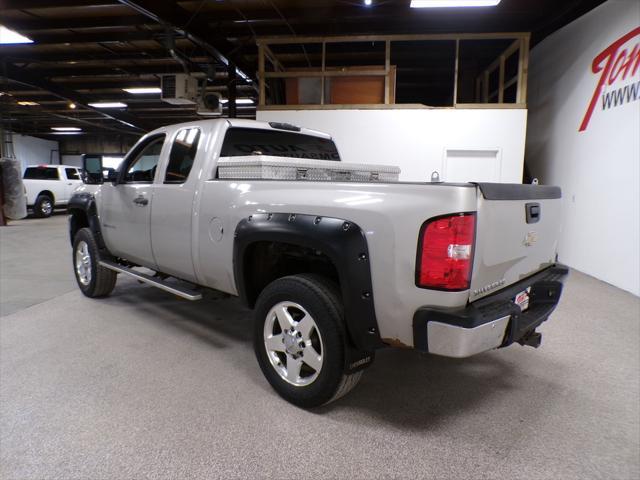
column 111, row 175
column 92, row 170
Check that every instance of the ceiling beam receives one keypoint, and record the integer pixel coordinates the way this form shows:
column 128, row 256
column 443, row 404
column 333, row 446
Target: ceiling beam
column 194, row 27
column 102, row 37
column 19, row 75
column 35, row 4
column 33, row 24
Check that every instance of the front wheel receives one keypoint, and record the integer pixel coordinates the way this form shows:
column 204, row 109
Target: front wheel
column 93, row 280
column 299, row 340
column 43, row 207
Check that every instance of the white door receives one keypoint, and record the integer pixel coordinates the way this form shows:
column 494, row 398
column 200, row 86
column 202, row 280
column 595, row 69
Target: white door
column 72, row 181
column 172, row 213
column 126, row 205
column 472, row 165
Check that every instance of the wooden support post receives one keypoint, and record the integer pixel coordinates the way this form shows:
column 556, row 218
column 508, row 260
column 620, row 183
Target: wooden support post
column 455, row 75
column 324, row 64
column 387, row 70
column 501, row 80
column 485, row 87
column 262, row 89
column 478, row 88
column 523, row 71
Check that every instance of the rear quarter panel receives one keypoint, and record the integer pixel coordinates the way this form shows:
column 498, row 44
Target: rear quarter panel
column 389, row 214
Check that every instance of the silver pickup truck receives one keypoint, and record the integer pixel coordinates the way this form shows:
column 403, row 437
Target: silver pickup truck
column 334, row 269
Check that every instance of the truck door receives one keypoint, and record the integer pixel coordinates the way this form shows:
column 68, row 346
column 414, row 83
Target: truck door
column 72, row 182
column 172, row 212
column 126, row 205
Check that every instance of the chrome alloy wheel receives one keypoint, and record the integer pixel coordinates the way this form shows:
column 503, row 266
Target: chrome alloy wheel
column 46, row 207
column 293, row 343
column 83, row 263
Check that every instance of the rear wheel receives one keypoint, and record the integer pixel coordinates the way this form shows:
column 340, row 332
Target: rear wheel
column 299, row 340
column 43, row 207
column 93, row 280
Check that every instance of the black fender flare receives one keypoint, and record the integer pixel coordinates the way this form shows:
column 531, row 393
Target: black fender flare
column 86, row 203
column 342, row 241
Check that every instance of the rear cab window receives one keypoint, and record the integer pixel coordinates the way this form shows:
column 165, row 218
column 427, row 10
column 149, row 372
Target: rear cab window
column 41, row 173
column 240, row 142
column 183, row 153
column 72, row 174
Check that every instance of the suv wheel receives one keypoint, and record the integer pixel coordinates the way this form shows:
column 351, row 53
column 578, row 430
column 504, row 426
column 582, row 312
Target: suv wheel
column 93, row 280
column 299, row 340
column 43, row 207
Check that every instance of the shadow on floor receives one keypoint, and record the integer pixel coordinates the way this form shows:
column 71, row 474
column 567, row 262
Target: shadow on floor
column 404, row 388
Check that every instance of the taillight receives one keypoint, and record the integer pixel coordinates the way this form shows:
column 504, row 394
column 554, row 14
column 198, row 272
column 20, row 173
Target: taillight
column 445, row 252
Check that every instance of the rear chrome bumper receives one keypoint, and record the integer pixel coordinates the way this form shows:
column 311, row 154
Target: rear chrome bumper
column 491, row 322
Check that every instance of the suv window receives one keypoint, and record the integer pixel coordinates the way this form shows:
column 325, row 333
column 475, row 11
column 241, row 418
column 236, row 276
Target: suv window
column 183, row 152
column 72, row 174
column 41, row 173
column 142, row 168
column 253, row 141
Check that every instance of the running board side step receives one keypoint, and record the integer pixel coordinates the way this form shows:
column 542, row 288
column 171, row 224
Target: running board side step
column 176, row 290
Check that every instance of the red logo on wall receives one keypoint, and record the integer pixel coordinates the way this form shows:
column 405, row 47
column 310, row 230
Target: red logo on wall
column 614, row 64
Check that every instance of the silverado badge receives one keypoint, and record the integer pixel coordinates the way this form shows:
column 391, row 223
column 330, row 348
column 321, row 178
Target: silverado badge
column 530, row 238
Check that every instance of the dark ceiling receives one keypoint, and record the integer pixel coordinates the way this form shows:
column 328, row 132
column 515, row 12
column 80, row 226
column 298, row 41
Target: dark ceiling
column 86, row 51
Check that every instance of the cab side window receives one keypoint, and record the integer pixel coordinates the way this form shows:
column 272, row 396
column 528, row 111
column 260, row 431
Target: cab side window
column 142, row 169
column 183, row 153
column 72, row 174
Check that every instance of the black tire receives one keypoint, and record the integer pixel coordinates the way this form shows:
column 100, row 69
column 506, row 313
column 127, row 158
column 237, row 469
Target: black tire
column 321, row 299
column 43, row 207
column 102, row 280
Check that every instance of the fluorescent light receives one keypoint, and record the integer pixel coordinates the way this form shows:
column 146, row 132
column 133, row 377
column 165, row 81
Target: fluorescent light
column 27, row 103
column 239, row 101
column 66, row 129
column 67, row 133
column 453, row 3
column 108, row 105
column 142, row 90
column 9, row 36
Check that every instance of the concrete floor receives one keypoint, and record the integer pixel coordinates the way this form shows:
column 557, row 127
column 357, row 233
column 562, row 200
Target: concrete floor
column 145, row 385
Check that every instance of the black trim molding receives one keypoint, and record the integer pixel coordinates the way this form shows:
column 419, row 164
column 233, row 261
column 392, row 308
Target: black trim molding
column 517, row 191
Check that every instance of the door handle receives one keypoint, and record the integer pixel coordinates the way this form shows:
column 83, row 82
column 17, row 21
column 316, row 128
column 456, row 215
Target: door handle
column 69, row 183
column 141, row 201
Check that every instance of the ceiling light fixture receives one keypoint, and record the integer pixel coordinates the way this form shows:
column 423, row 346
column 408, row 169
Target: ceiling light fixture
column 108, row 105
column 27, row 103
column 453, row 3
column 142, row 90
column 368, row 2
column 8, row 37
column 66, row 129
column 72, row 105
column 239, row 101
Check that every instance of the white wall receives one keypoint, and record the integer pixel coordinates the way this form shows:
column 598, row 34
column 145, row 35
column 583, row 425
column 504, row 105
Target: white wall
column 416, row 140
column 598, row 167
column 72, row 160
column 34, row 151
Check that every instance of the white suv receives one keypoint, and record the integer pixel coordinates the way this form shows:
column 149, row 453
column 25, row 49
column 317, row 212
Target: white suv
column 50, row 186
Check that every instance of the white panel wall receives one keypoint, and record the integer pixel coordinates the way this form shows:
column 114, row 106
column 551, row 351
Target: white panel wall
column 598, row 167
column 34, row 151
column 75, row 160
column 417, row 140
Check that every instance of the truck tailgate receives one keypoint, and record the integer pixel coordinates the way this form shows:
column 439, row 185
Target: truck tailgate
column 517, row 234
